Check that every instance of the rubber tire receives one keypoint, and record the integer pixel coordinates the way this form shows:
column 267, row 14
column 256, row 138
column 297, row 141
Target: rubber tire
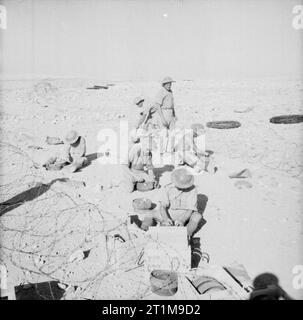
column 287, row 119
column 223, row 124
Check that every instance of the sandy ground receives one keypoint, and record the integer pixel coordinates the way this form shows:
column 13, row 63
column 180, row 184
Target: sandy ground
column 260, row 227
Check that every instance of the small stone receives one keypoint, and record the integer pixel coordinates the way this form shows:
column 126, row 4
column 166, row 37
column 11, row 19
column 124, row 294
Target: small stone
column 62, row 285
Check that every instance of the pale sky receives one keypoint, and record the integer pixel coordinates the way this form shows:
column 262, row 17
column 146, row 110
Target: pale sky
column 145, row 40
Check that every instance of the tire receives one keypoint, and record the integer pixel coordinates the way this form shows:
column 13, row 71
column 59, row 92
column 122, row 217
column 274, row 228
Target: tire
column 287, row 119
column 223, row 124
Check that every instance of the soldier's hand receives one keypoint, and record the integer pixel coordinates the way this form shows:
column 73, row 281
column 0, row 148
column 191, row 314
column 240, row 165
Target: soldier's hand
column 167, row 223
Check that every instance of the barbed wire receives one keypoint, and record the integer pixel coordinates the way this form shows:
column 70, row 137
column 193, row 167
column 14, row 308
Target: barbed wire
column 42, row 226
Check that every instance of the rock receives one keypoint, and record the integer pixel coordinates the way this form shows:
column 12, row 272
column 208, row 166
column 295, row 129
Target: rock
column 243, row 184
column 62, row 285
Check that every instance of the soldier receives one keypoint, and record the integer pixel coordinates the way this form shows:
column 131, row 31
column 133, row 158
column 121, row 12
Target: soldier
column 138, row 167
column 144, row 111
column 73, row 156
column 164, row 102
column 191, row 150
column 178, row 205
column 144, row 120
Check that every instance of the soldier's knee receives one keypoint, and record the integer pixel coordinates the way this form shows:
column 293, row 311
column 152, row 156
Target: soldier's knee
column 196, row 217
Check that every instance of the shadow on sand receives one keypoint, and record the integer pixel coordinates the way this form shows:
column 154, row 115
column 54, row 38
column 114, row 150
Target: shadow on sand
column 25, row 196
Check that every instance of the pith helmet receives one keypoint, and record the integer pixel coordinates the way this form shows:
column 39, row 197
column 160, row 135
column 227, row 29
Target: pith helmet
column 137, row 100
column 198, row 128
column 71, row 137
column 167, row 80
column 182, row 179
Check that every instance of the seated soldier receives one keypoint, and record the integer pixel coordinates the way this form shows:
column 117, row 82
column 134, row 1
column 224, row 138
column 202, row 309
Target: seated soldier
column 178, row 205
column 138, row 167
column 191, row 150
column 73, row 157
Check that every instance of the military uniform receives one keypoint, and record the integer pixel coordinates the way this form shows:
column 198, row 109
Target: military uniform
column 150, row 112
column 136, row 167
column 72, row 155
column 182, row 208
column 165, row 101
column 191, row 152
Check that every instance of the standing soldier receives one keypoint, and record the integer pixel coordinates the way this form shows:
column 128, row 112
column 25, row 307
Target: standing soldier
column 164, row 104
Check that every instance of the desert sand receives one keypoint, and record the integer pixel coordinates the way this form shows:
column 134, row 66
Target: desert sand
column 260, row 227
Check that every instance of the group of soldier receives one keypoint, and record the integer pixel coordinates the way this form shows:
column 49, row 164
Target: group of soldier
column 178, row 204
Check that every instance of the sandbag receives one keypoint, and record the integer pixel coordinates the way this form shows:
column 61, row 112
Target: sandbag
column 223, row 124
column 287, row 119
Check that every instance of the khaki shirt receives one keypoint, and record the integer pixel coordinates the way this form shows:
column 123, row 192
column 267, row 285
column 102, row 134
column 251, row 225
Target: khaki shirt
column 73, row 153
column 165, row 99
column 176, row 199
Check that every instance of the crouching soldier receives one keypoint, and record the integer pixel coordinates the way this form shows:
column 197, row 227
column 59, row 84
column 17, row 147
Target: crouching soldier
column 138, row 167
column 73, row 156
column 178, row 205
column 190, row 150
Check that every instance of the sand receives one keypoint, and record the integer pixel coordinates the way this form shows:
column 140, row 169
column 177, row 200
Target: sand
column 259, row 226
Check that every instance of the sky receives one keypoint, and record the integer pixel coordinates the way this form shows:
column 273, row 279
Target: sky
column 146, row 40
